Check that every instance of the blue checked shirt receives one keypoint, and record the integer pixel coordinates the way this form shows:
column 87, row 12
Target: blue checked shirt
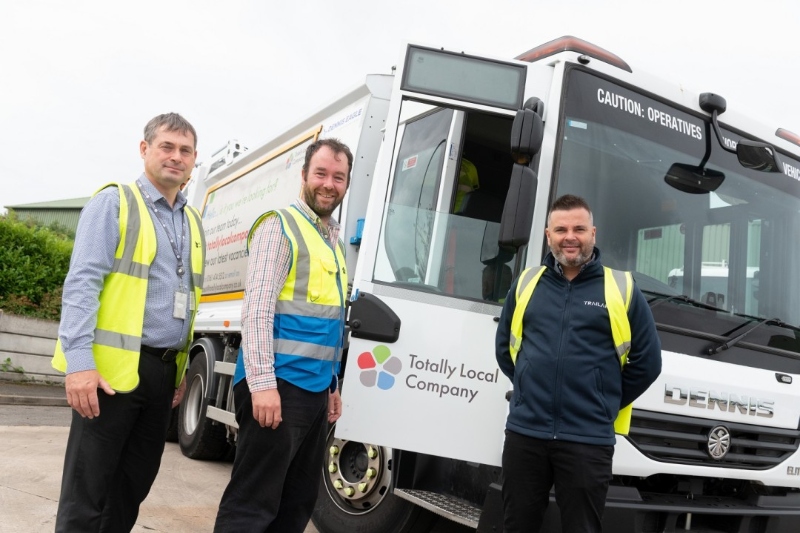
column 96, row 241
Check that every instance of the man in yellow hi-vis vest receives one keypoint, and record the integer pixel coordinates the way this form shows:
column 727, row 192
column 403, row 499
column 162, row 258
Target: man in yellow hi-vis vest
column 128, row 308
column 579, row 343
column 285, row 383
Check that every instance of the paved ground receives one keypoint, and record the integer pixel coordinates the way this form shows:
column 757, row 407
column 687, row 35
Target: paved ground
column 184, row 497
column 34, row 422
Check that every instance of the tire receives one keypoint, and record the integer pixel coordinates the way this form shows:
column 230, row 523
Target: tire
column 198, row 436
column 172, row 430
column 369, row 506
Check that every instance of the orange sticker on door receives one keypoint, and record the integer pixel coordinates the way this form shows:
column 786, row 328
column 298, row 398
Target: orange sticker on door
column 409, row 162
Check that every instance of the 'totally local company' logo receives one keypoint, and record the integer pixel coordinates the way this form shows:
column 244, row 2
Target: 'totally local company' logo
column 379, row 367
column 438, row 376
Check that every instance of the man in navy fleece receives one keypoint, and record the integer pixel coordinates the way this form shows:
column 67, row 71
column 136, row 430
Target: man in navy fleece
column 573, row 374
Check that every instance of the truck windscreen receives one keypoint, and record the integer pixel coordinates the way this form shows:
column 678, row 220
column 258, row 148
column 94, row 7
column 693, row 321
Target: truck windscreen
column 727, row 240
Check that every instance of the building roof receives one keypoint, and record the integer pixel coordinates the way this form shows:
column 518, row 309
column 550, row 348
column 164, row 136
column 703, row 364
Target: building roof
column 72, row 203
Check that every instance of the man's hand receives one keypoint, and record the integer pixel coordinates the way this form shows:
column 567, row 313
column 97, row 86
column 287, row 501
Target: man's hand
column 267, row 408
column 81, row 390
column 179, row 392
column 334, row 406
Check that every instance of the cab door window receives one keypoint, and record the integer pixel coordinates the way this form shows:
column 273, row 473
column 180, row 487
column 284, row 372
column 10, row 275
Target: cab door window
column 441, row 225
column 415, row 191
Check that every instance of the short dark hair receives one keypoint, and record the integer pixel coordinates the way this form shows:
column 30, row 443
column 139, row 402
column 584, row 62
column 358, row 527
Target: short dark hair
column 569, row 202
column 171, row 122
column 337, row 146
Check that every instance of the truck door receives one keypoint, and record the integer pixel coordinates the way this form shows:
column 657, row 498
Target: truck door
column 437, row 266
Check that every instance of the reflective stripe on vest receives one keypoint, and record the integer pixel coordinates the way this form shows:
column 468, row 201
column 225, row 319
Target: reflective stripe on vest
column 618, row 287
column 118, row 333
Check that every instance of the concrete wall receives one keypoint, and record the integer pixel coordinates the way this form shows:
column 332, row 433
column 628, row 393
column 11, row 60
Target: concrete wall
column 29, row 344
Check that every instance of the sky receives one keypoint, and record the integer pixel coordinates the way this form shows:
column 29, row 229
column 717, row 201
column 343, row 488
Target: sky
column 80, row 79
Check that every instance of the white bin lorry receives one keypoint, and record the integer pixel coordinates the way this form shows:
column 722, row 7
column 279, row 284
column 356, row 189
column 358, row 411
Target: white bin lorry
column 457, row 157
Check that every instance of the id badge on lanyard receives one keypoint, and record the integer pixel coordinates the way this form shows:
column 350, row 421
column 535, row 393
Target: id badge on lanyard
column 179, row 303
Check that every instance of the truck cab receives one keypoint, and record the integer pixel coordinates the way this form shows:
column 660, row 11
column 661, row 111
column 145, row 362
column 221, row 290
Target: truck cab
column 671, row 198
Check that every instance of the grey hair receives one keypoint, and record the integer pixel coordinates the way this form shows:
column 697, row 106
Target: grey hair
column 170, row 122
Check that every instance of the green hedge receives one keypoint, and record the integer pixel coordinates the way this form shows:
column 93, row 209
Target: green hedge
column 33, row 264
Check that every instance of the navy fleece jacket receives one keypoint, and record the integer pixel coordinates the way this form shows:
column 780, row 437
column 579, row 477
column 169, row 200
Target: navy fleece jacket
column 567, row 379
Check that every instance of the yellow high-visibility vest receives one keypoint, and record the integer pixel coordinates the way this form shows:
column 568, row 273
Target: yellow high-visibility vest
column 118, row 333
column 308, row 324
column 618, row 291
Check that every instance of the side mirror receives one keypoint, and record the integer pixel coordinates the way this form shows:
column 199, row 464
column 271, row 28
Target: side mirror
column 692, row 179
column 515, row 225
column 758, row 156
column 527, row 133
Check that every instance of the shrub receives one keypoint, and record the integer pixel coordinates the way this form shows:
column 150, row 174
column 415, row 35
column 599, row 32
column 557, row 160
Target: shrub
column 33, row 264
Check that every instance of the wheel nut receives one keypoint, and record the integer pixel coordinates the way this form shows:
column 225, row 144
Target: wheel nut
column 371, row 473
column 338, row 484
column 372, row 452
column 332, row 468
column 362, row 487
column 349, row 491
column 334, row 450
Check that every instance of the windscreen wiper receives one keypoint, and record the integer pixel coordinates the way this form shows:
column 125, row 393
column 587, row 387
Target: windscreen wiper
column 679, row 298
column 733, row 341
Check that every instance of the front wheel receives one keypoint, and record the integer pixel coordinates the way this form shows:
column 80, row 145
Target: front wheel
column 354, row 493
column 198, row 436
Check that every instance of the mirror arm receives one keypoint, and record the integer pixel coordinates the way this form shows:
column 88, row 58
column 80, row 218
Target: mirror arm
column 718, row 134
column 707, row 154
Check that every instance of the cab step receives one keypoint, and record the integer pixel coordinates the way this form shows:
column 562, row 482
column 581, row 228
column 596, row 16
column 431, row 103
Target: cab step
column 449, row 507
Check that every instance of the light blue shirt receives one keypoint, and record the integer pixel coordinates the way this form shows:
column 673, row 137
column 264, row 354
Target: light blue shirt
column 96, row 241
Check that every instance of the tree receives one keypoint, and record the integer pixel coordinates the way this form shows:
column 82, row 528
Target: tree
column 33, row 264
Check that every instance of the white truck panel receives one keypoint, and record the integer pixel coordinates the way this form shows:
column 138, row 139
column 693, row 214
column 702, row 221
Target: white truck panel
column 436, row 391
column 702, row 380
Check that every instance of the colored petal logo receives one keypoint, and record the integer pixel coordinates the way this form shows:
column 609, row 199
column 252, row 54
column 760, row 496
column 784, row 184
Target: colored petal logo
column 379, row 367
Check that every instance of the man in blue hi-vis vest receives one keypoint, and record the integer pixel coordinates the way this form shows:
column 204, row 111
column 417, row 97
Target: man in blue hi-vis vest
column 579, row 343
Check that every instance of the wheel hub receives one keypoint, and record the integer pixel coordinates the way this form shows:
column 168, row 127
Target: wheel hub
column 356, row 474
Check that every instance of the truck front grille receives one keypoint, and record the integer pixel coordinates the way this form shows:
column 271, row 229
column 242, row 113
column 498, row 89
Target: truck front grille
column 682, row 439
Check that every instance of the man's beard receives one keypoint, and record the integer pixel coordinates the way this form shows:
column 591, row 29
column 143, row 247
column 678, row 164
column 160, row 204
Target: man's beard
column 310, row 198
column 583, row 257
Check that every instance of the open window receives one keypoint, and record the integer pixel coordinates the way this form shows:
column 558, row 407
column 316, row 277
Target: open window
column 450, row 179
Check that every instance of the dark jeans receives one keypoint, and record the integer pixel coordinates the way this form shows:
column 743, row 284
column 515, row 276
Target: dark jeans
column 276, row 472
column 112, row 460
column 580, row 472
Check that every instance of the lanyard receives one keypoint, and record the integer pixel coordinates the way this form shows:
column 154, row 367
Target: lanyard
column 176, row 247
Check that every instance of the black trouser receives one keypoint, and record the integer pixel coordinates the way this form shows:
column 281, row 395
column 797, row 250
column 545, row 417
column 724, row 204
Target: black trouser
column 276, row 472
column 113, row 459
column 580, row 472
